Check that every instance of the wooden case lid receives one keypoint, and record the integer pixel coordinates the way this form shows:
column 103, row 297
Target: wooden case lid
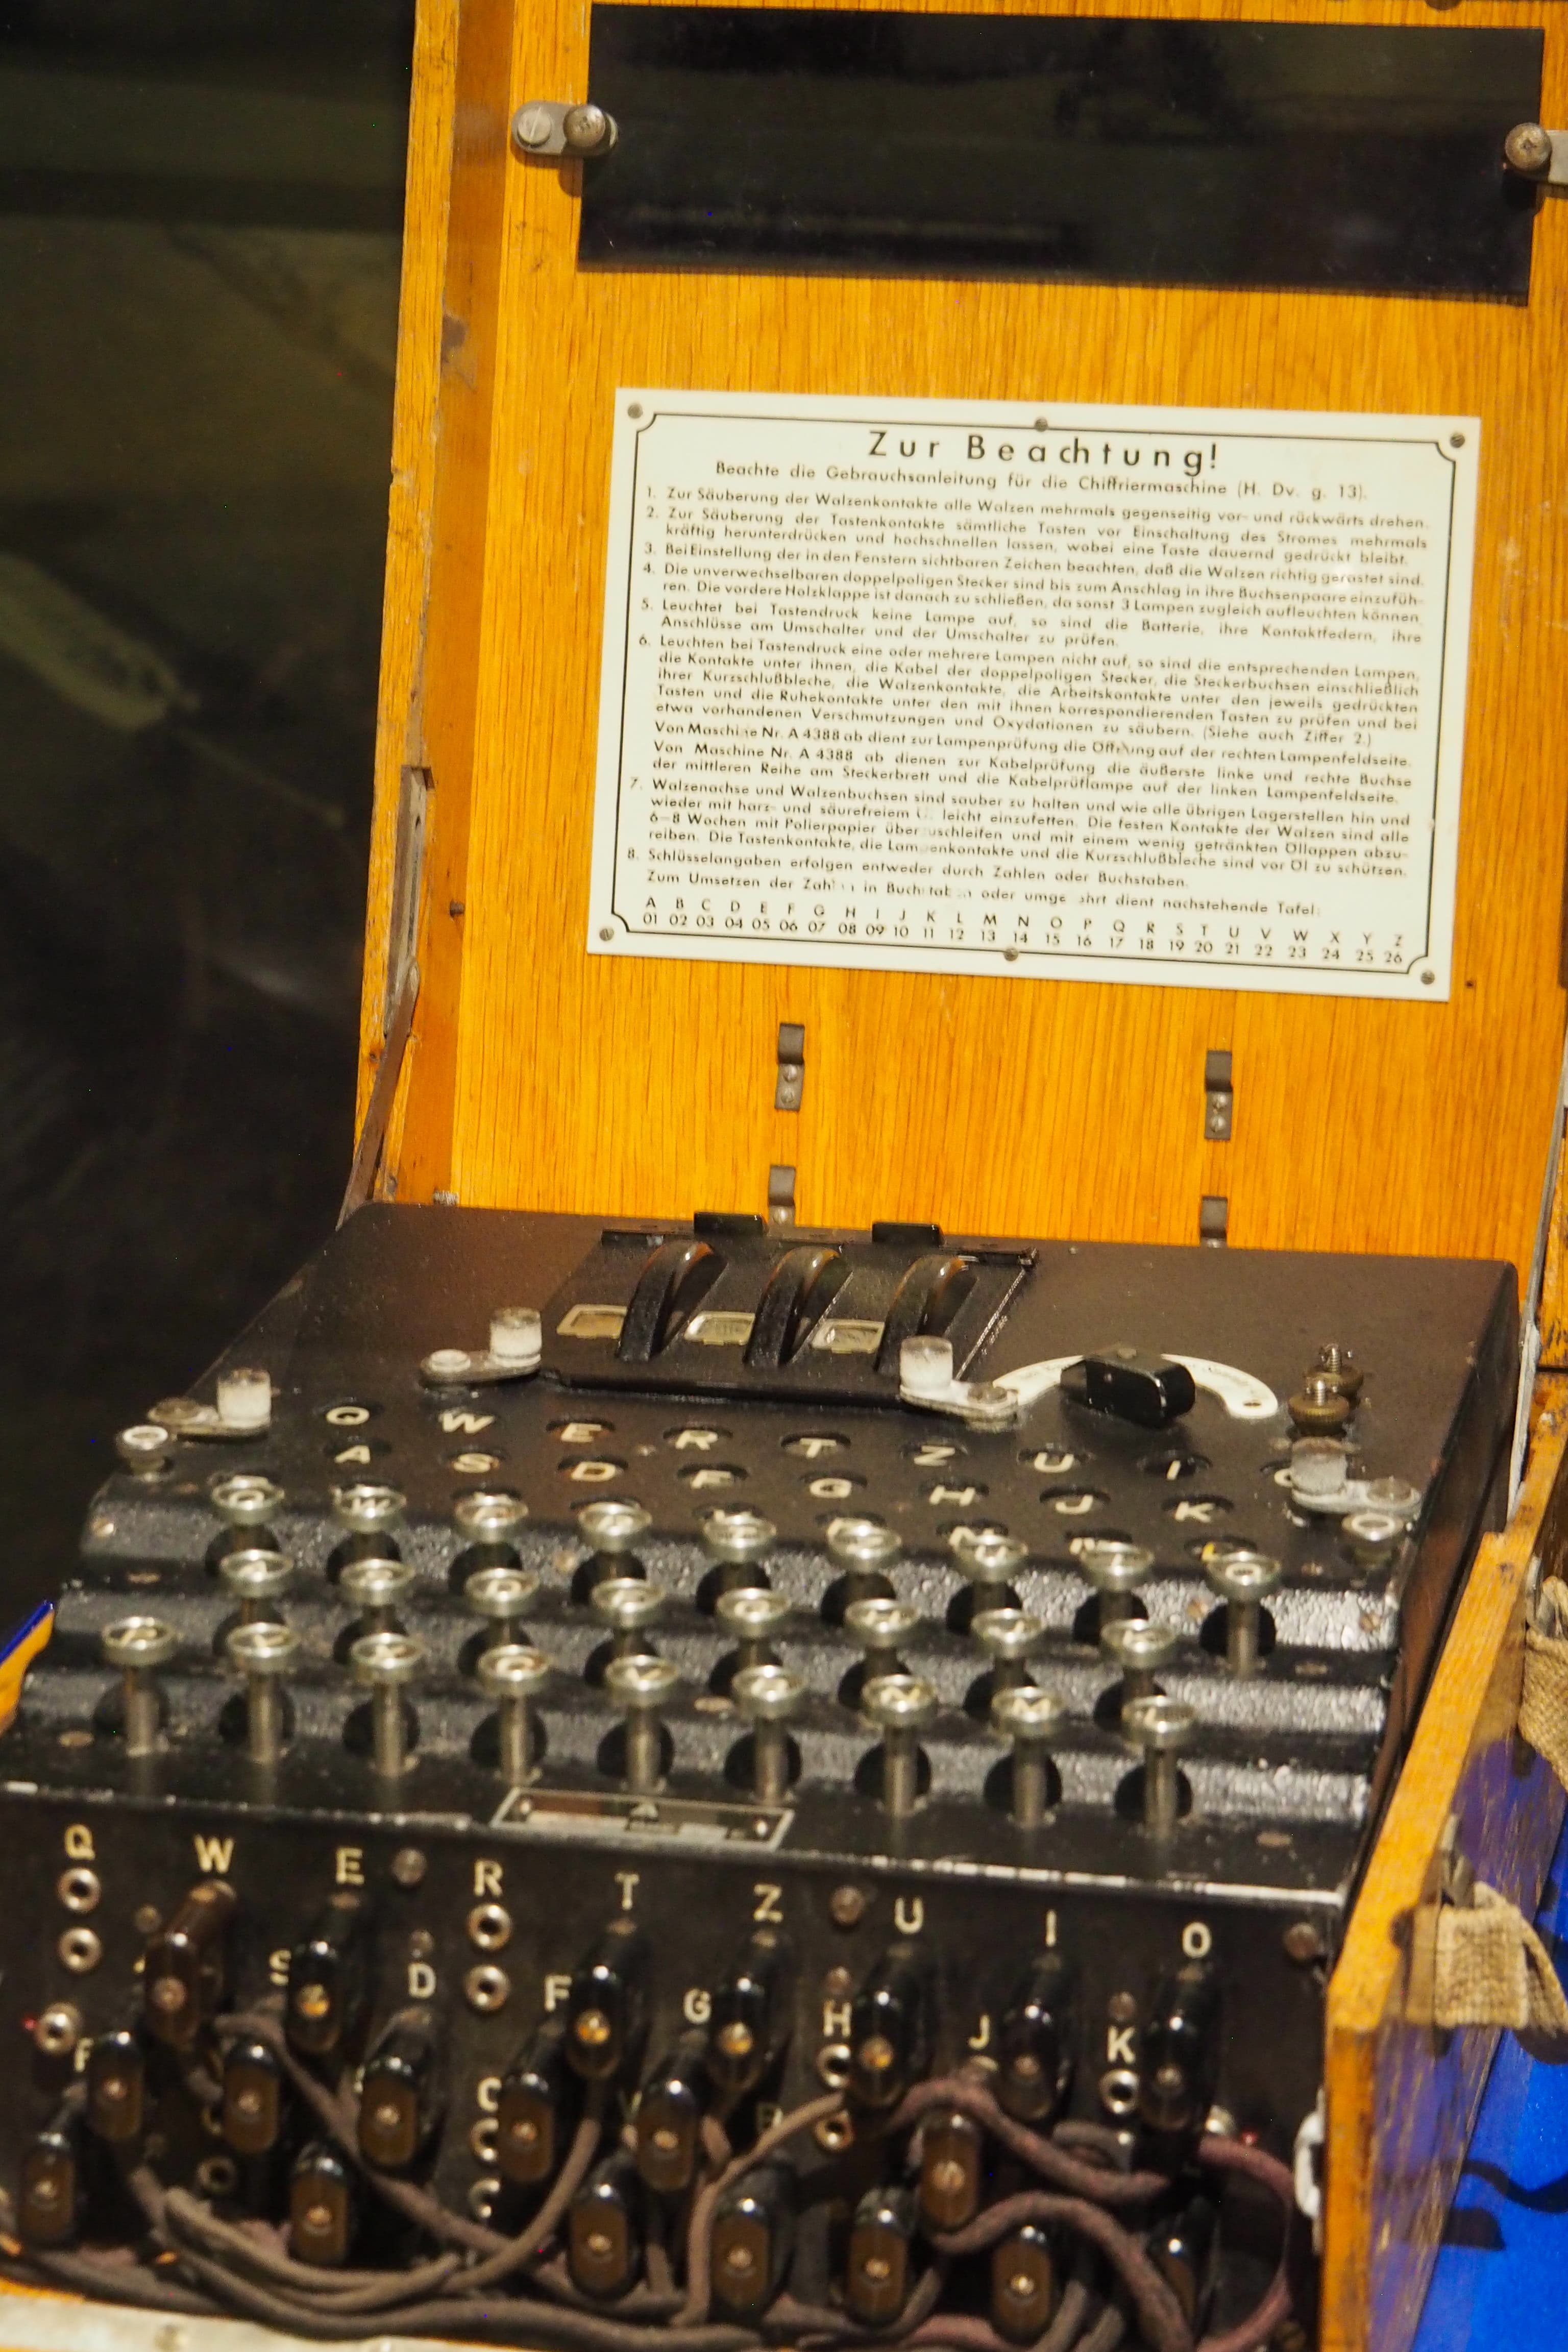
column 538, row 1075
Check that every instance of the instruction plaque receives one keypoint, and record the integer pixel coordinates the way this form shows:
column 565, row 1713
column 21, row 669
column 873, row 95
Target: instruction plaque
column 1169, row 696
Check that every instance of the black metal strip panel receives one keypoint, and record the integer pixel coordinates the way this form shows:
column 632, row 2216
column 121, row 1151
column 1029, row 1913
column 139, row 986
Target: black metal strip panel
column 1359, row 158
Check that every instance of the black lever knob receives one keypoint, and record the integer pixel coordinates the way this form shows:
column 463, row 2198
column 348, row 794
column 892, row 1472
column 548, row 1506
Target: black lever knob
column 749, row 2019
column 1182, row 2247
column 1151, row 1391
column 1023, row 2284
column 401, row 2092
column 253, row 2113
column 1034, row 2040
column 669, row 2117
column 606, row 2006
column 1180, row 2050
column 877, row 2274
column 50, row 2205
column 537, row 2104
column 322, row 2206
column 754, row 2233
column 890, row 2028
column 603, row 2248
column 185, row 1967
column 117, row 2085
column 953, row 2148
column 329, row 1978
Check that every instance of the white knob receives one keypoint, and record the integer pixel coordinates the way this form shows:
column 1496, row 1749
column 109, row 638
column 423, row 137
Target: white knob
column 517, row 1335
column 925, row 1367
column 243, row 1399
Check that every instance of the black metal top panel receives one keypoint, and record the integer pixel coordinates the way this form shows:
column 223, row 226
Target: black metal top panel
column 1355, row 157
column 1299, row 1751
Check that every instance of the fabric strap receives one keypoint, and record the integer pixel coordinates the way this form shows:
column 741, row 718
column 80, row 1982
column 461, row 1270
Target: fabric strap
column 1492, row 1968
column 1543, row 1708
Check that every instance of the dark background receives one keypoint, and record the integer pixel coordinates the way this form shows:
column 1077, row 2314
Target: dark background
column 200, row 204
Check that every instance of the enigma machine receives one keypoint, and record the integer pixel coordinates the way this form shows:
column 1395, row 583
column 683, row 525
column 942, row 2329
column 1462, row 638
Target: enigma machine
column 839, row 1673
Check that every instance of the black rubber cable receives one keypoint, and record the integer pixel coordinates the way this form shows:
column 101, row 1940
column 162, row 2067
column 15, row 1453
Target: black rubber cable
column 185, row 2216
column 112, row 2282
column 1093, row 2182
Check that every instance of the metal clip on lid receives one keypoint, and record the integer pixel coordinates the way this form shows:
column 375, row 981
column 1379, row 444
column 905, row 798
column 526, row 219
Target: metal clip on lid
column 546, row 126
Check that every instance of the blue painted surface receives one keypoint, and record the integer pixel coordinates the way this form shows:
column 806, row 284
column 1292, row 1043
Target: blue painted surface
column 1502, row 2272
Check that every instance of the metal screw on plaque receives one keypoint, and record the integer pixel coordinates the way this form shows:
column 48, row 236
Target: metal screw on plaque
column 366, row 1509
column 1115, row 1569
column 135, row 1647
column 752, row 1616
column 900, row 1705
column 587, row 129
column 990, row 1561
column 385, row 1663
column 1031, row 1718
column 881, row 1627
column 1159, row 1729
column 373, row 1590
column 1138, row 1649
column 500, row 1596
column 489, row 1514
column 867, row 1553
column 514, row 1675
column 253, row 1578
column 533, row 126
column 1244, row 1580
column 768, row 1697
column 628, row 1605
column 639, row 1688
column 1010, row 1638
column 245, row 1499
column 739, row 1541
column 1528, row 150
column 263, row 1653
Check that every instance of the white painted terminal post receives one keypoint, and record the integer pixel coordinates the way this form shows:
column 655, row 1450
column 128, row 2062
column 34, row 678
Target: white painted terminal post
column 517, row 1344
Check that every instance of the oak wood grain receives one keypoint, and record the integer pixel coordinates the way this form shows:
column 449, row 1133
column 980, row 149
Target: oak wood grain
column 545, row 1078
